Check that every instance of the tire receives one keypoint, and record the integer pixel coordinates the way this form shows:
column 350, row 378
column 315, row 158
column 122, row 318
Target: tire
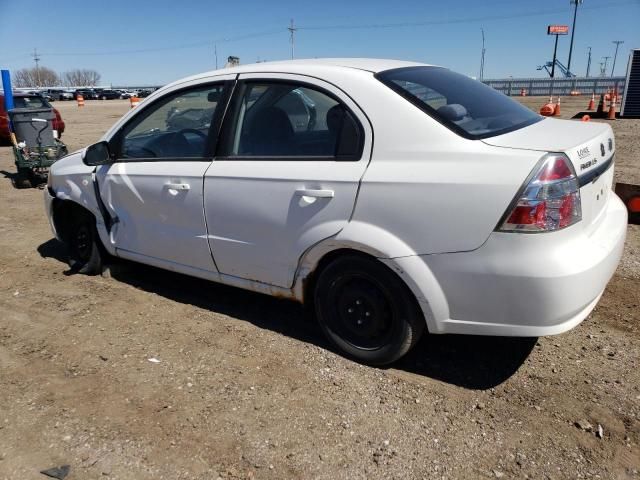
column 104, row 98
column 85, row 250
column 22, row 179
column 366, row 311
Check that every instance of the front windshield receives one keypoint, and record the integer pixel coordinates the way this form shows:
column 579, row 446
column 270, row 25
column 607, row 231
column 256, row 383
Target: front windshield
column 466, row 106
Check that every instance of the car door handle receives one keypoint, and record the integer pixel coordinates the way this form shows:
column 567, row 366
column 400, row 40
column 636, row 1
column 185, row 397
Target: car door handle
column 177, row 186
column 315, row 193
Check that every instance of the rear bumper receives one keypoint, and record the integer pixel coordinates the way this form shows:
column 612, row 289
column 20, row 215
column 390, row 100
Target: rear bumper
column 525, row 285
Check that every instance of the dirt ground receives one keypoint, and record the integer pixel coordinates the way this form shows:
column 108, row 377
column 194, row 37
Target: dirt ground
column 246, row 386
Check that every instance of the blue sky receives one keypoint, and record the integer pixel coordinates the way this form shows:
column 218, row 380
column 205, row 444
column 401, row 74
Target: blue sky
column 155, row 42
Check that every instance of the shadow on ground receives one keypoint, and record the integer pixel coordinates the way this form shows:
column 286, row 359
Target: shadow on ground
column 468, row 361
column 8, row 175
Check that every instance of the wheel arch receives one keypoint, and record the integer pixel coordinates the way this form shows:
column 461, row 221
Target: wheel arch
column 427, row 292
column 63, row 212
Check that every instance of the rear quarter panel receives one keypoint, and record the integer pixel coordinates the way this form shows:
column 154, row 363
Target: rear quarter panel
column 430, row 188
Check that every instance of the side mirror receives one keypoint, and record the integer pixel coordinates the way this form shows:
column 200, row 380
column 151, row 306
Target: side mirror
column 97, row 154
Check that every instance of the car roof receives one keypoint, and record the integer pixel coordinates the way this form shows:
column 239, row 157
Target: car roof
column 22, row 94
column 316, row 65
column 369, row 64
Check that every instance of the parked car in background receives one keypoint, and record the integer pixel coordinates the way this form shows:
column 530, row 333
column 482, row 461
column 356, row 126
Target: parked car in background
column 127, row 93
column 144, row 93
column 108, row 94
column 43, row 93
column 87, row 94
column 59, row 94
column 27, row 100
column 469, row 214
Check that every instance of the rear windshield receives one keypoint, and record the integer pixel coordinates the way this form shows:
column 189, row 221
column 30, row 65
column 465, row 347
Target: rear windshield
column 466, row 106
column 30, row 102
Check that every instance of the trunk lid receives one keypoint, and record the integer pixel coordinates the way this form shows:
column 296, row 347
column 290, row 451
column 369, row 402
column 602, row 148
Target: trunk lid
column 589, row 145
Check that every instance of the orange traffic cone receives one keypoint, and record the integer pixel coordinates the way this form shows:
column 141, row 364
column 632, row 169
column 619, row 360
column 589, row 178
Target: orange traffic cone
column 547, row 110
column 80, row 100
column 612, row 110
column 586, row 118
column 556, row 111
column 134, row 101
column 592, row 102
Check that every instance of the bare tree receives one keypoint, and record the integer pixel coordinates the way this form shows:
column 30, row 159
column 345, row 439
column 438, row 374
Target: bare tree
column 81, row 78
column 36, row 77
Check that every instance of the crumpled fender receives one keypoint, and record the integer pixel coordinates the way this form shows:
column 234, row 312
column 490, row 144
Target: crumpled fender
column 72, row 180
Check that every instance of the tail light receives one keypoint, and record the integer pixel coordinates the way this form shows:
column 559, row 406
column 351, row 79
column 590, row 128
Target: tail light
column 549, row 201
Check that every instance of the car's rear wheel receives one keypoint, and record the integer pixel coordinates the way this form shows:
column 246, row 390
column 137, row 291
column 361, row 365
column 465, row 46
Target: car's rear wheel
column 366, row 310
column 85, row 250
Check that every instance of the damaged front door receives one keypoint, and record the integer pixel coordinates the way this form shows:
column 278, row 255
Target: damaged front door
column 155, row 186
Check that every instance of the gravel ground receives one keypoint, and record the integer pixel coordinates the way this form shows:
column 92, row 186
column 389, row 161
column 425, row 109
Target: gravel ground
column 245, row 386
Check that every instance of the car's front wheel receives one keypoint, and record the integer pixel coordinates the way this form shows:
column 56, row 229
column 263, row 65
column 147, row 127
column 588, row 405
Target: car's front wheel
column 366, row 310
column 85, row 250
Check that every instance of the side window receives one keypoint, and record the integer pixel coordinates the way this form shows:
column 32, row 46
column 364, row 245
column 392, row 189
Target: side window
column 175, row 127
column 289, row 120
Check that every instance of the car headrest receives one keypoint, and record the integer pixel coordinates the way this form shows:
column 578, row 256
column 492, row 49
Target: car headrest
column 453, row 112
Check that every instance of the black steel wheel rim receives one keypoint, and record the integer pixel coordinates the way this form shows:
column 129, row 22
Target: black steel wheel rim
column 361, row 312
column 83, row 243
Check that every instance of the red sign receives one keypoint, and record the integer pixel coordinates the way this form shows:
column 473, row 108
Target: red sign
column 557, row 29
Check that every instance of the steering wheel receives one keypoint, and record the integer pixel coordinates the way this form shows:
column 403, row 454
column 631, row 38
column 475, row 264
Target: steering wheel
column 145, row 149
column 194, row 131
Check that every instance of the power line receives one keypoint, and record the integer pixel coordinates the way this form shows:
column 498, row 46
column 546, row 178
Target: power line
column 422, row 23
column 336, row 27
column 175, row 47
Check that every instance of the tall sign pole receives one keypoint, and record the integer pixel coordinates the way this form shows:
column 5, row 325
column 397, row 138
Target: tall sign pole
column 589, row 63
column 556, row 30
column 573, row 31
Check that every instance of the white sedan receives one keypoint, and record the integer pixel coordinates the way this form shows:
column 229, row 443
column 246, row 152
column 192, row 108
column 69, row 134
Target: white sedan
column 393, row 196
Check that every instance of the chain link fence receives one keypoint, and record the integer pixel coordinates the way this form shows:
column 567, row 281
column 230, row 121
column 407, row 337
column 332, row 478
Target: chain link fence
column 556, row 86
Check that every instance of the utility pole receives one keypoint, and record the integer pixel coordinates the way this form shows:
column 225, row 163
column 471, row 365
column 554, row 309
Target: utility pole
column 215, row 52
column 603, row 71
column 292, row 39
column 588, row 62
column 617, row 42
column 482, row 56
column 573, row 30
column 36, row 59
